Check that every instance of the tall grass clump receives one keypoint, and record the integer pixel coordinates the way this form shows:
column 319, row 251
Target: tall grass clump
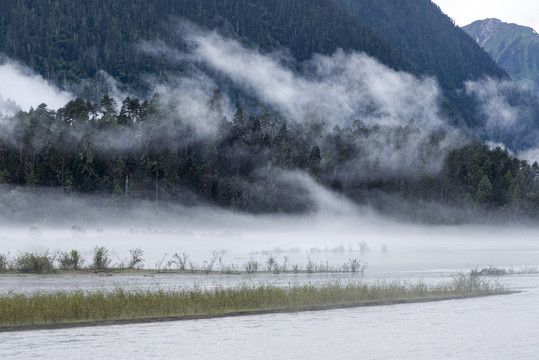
column 471, row 284
column 119, row 304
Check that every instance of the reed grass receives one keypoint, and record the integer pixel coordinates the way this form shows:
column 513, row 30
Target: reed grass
column 79, row 307
column 45, row 262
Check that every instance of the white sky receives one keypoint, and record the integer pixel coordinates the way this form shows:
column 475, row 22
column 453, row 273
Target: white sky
column 464, row 12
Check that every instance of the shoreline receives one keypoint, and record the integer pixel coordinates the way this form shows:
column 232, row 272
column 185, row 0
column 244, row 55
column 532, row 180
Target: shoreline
column 238, row 313
column 152, row 272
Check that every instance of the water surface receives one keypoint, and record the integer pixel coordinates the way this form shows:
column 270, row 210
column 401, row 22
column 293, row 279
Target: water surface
column 498, row 327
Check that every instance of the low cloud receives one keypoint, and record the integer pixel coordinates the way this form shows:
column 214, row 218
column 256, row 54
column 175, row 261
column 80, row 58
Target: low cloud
column 8, row 107
column 531, row 155
column 509, row 113
column 190, row 97
column 21, row 88
column 342, row 87
column 493, row 102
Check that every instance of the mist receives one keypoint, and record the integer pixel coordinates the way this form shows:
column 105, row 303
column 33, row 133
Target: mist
column 403, row 135
column 336, row 232
column 343, row 87
column 339, row 88
column 510, row 115
column 21, row 88
column 343, row 90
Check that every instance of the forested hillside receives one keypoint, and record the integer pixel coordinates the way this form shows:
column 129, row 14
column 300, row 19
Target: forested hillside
column 70, row 41
column 67, row 41
column 428, row 39
column 430, row 43
column 391, row 130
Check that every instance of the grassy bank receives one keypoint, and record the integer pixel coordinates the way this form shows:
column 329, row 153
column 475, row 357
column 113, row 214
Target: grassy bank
column 62, row 309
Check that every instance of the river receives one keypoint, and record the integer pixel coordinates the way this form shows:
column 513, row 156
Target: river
column 498, row 327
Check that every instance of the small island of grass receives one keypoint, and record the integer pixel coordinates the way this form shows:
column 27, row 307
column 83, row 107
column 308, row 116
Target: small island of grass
column 71, row 309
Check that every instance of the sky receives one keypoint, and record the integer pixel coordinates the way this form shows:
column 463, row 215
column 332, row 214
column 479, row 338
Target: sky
column 464, row 12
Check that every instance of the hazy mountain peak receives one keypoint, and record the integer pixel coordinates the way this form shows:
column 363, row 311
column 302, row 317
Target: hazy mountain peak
column 514, row 47
column 489, row 30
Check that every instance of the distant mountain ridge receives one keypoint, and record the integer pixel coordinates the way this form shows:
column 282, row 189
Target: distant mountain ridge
column 432, row 45
column 514, row 47
column 427, row 38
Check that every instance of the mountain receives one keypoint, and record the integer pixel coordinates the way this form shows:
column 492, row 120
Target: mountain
column 72, row 40
column 195, row 143
column 428, row 39
column 430, row 43
column 69, row 41
column 514, row 47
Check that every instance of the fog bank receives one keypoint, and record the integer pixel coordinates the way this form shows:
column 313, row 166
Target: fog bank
column 21, row 88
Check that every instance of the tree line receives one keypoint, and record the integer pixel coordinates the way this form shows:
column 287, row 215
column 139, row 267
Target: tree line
column 151, row 150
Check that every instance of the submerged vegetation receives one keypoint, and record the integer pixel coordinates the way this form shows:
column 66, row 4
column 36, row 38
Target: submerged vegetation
column 78, row 308
column 496, row 271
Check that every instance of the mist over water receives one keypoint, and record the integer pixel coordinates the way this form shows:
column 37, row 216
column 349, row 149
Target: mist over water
column 324, row 237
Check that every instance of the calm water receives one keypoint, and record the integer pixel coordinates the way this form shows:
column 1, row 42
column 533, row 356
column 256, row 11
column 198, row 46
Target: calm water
column 501, row 327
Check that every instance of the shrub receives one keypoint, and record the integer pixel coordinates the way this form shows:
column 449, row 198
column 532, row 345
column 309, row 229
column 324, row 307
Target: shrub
column 70, row 260
column 101, row 259
column 137, row 260
column 4, row 263
column 363, row 247
column 208, row 265
column 251, row 266
column 271, row 262
column 310, row 265
column 180, row 261
column 355, row 265
column 34, row 263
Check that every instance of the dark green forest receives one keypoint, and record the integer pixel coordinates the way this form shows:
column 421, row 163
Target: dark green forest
column 429, row 40
column 70, row 41
column 67, row 41
column 149, row 151
column 432, row 45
